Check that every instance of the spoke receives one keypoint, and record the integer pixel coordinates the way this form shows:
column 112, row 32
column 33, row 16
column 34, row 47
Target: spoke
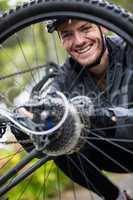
column 5, row 98
column 12, row 156
column 46, row 176
column 46, row 179
column 111, row 142
column 35, row 45
column 84, row 174
column 24, row 175
column 55, row 48
column 26, row 61
column 18, row 151
column 18, row 167
column 107, row 156
column 110, row 139
column 44, row 185
column 73, row 185
column 127, row 105
column 35, row 49
column 19, row 72
column 22, row 72
column 9, row 57
column 25, row 188
column 97, row 174
column 11, row 75
column 58, row 183
column 105, row 128
column 81, row 172
column 75, row 80
column 108, row 87
column 74, row 191
column 112, row 127
column 77, row 77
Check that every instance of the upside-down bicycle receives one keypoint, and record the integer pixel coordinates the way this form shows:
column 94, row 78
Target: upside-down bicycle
column 24, row 29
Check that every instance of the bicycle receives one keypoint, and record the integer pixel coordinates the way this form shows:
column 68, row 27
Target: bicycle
column 15, row 28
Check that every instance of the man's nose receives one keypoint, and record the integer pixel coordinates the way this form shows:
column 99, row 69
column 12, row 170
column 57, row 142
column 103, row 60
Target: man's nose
column 78, row 39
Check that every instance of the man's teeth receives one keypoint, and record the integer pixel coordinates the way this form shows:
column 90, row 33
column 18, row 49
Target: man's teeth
column 84, row 50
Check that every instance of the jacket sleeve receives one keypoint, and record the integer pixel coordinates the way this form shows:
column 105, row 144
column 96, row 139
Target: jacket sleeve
column 101, row 118
column 124, row 116
column 61, row 80
column 124, row 122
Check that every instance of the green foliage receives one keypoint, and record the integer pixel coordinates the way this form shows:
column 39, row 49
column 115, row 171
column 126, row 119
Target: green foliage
column 43, row 183
column 4, row 5
column 127, row 4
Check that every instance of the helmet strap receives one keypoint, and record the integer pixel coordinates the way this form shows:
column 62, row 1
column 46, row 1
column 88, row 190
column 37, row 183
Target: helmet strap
column 98, row 61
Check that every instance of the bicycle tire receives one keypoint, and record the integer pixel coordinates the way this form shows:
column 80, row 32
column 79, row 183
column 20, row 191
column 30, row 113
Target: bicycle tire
column 102, row 12
column 109, row 15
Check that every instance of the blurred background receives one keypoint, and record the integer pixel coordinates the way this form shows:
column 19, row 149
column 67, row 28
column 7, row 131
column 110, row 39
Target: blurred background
column 57, row 182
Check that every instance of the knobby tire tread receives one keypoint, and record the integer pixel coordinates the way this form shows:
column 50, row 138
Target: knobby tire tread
column 16, row 19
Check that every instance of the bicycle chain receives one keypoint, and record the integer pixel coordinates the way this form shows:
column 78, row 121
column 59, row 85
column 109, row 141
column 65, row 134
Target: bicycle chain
column 16, row 142
column 21, row 72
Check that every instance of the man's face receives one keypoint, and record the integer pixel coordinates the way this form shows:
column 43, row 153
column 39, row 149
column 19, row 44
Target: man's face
column 82, row 40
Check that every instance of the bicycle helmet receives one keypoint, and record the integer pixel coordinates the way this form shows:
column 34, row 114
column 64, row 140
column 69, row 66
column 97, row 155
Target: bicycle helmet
column 52, row 25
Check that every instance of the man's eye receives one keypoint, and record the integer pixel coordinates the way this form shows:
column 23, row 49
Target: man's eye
column 85, row 29
column 66, row 35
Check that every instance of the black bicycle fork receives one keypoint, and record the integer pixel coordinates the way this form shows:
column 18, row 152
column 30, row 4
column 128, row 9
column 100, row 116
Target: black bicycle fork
column 15, row 181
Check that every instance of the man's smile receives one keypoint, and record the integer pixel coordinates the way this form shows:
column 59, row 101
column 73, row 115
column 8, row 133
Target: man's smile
column 85, row 51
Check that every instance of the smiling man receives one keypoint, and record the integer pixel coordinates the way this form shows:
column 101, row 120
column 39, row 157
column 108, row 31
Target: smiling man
column 93, row 62
column 84, row 42
column 99, row 69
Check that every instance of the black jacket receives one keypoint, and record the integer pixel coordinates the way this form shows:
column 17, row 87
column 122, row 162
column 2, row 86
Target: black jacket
column 73, row 80
column 102, row 154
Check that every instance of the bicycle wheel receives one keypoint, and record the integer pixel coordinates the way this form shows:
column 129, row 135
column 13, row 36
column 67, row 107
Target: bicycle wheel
column 24, row 31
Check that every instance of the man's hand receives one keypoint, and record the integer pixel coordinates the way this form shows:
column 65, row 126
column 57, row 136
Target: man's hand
column 99, row 117
column 25, row 112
